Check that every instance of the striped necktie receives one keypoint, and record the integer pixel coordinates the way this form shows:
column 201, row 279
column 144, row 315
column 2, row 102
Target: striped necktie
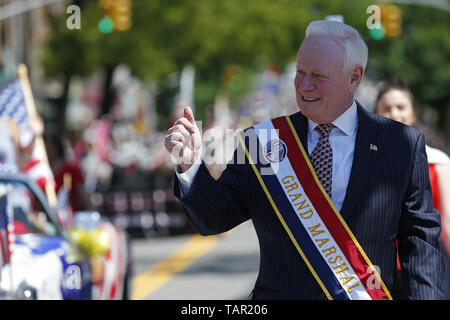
column 322, row 157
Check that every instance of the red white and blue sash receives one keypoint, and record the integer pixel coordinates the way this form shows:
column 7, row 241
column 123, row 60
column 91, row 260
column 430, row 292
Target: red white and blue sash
column 314, row 225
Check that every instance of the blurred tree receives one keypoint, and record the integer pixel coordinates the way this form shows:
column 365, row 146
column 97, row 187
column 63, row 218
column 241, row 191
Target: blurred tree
column 63, row 57
column 167, row 35
column 419, row 57
column 212, row 35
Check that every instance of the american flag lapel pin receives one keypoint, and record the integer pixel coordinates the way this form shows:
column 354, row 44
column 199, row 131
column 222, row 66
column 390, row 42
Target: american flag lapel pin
column 373, row 147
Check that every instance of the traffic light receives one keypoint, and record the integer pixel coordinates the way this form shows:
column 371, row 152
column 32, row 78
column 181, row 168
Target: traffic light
column 391, row 20
column 106, row 25
column 118, row 11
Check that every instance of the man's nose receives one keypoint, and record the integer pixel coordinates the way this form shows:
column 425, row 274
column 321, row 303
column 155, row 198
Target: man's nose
column 395, row 113
column 306, row 84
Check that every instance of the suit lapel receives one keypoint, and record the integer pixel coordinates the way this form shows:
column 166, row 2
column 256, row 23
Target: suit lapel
column 367, row 149
column 300, row 123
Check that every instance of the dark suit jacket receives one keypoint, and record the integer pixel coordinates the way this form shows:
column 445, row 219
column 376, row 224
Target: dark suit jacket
column 388, row 203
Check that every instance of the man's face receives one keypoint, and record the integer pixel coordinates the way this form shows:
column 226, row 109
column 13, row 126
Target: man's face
column 322, row 85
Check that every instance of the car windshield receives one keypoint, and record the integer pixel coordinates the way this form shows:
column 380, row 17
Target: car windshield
column 25, row 208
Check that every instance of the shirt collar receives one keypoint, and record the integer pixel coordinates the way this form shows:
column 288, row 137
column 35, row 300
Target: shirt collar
column 346, row 122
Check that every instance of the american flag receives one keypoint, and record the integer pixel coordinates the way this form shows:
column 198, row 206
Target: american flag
column 63, row 197
column 12, row 105
column 63, row 210
column 273, row 146
column 4, row 247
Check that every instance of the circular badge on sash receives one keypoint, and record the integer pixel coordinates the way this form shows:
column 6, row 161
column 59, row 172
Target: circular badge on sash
column 275, row 150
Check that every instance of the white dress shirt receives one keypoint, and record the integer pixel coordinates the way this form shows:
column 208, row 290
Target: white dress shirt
column 342, row 141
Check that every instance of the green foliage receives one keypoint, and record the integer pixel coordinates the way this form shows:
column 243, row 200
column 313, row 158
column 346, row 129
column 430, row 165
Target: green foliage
column 212, row 35
column 419, row 57
column 65, row 51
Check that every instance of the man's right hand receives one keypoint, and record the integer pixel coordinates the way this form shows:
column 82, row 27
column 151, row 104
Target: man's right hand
column 183, row 141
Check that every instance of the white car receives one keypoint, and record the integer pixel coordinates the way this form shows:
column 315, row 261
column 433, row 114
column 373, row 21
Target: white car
column 44, row 261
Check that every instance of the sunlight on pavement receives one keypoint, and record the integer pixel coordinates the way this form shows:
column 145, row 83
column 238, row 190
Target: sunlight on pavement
column 154, row 278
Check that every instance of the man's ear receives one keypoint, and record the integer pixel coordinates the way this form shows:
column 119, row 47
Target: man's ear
column 355, row 77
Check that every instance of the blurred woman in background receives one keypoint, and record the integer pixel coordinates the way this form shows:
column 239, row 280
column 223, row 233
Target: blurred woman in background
column 397, row 102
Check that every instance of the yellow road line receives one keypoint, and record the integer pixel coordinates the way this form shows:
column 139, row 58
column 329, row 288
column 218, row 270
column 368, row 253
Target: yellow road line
column 154, row 278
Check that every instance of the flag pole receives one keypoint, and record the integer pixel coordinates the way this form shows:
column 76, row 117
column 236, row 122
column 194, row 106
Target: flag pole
column 39, row 141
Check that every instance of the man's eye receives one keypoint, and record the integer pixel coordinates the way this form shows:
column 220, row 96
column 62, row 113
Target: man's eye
column 317, row 75
column 301, row 72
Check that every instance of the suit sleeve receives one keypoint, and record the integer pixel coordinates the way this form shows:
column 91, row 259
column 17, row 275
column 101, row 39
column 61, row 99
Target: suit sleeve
column 421, row 261
column 216, row 206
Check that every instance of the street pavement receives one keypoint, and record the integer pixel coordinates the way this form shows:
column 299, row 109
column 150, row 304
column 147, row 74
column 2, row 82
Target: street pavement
column 190, row 267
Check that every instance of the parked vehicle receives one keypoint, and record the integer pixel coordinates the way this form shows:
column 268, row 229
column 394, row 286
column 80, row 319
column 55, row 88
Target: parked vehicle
column 89, row 260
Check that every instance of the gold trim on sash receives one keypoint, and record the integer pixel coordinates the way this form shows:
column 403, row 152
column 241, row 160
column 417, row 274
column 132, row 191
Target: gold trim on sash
column 366, row 258
column 280, row 217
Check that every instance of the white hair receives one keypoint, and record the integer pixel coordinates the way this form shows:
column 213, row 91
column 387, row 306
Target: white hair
column 356, row 50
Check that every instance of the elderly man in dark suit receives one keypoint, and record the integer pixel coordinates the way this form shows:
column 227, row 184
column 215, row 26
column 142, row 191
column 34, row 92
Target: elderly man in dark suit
column 377, row 181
